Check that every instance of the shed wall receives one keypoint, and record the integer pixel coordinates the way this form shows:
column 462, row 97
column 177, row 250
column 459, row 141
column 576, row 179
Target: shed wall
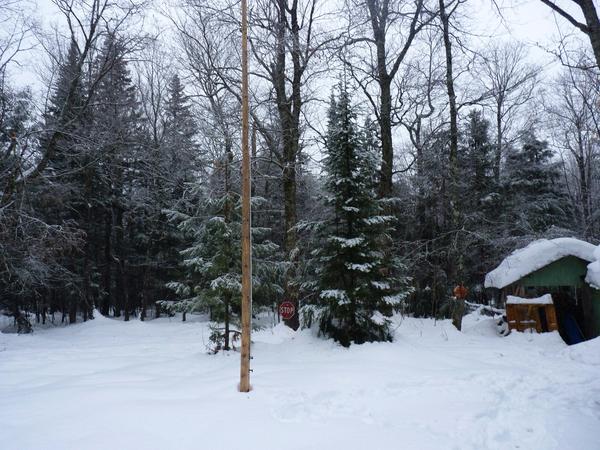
column 568, row 271
column 596, row 309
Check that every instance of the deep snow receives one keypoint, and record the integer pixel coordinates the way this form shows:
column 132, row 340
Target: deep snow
column 593, row 273
column 106, row 384
column 545, row 299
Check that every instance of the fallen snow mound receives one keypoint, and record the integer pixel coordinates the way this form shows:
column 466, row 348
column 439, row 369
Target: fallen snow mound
column 536, row 255
column 587, row 352
column 545, row 299
column 478, row 324
column 593, row 273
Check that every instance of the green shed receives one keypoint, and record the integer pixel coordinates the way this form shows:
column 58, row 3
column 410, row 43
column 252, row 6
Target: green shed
column 560, row 267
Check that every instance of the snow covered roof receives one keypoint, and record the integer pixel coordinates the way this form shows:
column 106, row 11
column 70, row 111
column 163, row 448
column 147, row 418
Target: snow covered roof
column 593, row 272
column 539, row 254
column 545, row 299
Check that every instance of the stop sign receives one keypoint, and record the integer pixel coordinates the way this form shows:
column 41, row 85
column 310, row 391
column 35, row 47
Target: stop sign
column 287, row 310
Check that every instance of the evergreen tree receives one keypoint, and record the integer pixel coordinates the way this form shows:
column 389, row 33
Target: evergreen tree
column 67, row 74
column 15, row 118
column 477, row 154
column 65, row 201
column 172, row 163
column 115, row 186
column 181, row 150
column 358, row 285
column 480, row 199
column 212, row 264
column 427, row 223
column 532, row 188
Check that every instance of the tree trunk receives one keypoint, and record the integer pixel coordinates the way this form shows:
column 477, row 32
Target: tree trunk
column 121, row 294
column 73, row 309
column 591, row 18
column 381, row 15
column 291, row 290
column 423, row 231
column 143, row 293
column 88, row 304
column 378, row 14
column 226, row 337
column 498, row 153
column 106, row 299
column 591, row 26
column 584, row 193
column 454, row 253
column 387, row 147
column 457, row 313
column 288, row 108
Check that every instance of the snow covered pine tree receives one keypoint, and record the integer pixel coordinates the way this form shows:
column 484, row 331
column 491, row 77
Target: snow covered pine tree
column 212, row 264
column 359, row 283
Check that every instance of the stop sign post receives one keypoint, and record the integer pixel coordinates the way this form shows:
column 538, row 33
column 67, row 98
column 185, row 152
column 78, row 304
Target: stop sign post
column 287, row 310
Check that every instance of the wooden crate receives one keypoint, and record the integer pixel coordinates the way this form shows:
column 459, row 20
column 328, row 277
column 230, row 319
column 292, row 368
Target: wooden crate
column 524, row 317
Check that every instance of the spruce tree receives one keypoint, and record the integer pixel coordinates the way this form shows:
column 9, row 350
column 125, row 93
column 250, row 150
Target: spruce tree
column 477, row 160
column 480, row 199
column 115, row 130
column 358, row 284
column 532, row 188
column 212, row 270
column 64, row 202
column 172, row 163
column 180, row 148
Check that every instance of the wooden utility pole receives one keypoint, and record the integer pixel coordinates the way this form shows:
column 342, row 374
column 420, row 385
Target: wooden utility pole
column 246, row 216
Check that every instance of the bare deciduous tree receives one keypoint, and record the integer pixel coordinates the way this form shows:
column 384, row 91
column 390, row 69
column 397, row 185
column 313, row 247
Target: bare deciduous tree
column 380, row 35
column 591, row 27
column 509, row 81
column 575, row 123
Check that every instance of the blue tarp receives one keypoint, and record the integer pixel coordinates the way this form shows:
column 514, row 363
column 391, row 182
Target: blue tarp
column 572, row 330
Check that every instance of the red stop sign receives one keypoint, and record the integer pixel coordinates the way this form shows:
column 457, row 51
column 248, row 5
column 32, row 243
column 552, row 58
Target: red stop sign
column 287, row 310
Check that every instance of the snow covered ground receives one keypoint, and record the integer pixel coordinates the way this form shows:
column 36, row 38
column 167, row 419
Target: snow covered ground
column 106, row 384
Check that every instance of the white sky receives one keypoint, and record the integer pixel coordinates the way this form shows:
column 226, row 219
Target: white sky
column 527, row 21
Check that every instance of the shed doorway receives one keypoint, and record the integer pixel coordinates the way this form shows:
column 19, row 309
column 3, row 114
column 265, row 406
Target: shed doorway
column 569, row 314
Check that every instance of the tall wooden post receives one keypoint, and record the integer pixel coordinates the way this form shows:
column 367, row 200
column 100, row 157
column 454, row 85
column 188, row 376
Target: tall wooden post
column 246, row 216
